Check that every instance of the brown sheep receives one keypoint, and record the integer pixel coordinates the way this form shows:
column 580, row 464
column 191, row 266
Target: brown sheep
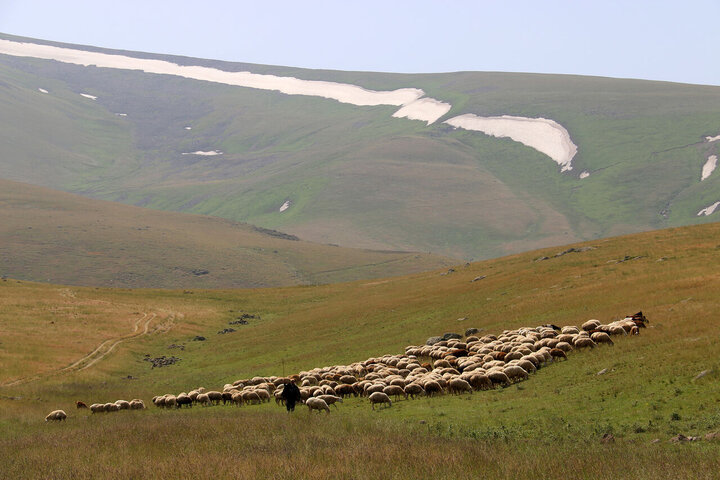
column 345, row 390
column 557, row 354
column 498, row 377
column 601, row 337
column 480, row 381
column 80, row 404
column 57, row 415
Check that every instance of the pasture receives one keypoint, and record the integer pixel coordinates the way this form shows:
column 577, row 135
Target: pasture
column 550, row 426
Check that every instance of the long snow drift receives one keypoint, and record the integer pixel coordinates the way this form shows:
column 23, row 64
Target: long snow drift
column 546, row 136
column 709, row 167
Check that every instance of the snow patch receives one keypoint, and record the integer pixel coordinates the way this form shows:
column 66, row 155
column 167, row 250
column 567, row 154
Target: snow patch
column 342, row 92
column 87, row 95
column 121, row 114
column 544, row 135
column 709, row 167
column 425, row 109
column 204, row 154
column 584, row 174
column 708, row 210
column 285, row 205
column 42, row 90
column 188, row 128
column 712, row 139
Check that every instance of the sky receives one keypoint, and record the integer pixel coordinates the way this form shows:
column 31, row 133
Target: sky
column 656, row 40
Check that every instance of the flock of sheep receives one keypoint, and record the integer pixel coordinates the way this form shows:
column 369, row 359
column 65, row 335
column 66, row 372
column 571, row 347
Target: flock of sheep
column 453, row 366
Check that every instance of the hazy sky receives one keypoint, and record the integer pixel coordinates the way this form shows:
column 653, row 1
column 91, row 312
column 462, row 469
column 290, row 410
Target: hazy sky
column 658, row 40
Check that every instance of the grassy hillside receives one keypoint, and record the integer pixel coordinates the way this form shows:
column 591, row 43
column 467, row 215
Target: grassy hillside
column 355, row 175
column 53, row 236
column 549, row 426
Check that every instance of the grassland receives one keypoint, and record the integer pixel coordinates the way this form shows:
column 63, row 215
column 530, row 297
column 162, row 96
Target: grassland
column 356, row 176
column 547, row 427
column 56, row 237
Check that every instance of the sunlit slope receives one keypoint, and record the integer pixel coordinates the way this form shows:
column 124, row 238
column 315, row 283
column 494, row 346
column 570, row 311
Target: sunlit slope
column 550, row 425
column 52, row 236
column 355, row 175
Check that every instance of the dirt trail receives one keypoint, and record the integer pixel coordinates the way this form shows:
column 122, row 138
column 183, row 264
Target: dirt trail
column 141, row 327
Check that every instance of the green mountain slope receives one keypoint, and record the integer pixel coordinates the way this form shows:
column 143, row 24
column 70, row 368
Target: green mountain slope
column 47, row 235
column 355, row 176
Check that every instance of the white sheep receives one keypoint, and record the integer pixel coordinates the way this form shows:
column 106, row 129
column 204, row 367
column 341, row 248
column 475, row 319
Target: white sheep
column 331, row 399
column 379, row 397
column 317, row 403
column 58, row 415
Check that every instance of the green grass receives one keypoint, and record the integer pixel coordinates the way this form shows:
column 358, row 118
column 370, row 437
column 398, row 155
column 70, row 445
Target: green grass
column 357, row 176
column 549, row 426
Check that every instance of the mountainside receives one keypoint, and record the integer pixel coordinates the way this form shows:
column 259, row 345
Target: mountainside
column 352, row 174
column 58, row 237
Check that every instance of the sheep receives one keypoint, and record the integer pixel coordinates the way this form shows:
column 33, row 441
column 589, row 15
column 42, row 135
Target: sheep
column 590, row 325
column 316, row 403
column 515, row 373
column 498, row 377
column 263, row 394
column 558, row 353
column 601, row 337
column 458, row 385
column 480, row 381
column 137, row 404
column 203, row 399
column 413, row 389
column 251, row 397
column 183, row 399
column 123, row 404
column 331, row 399
column 214, row 396
column 394, row 390
column 97, row 407
column 432, row 387
column 80, row 404
column 57, row 415
column 345, row 390
column 111, row 407
column 584, row 342
column 379, row 397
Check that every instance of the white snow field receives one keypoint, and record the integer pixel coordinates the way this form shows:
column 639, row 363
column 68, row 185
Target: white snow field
column 545, row 136
column 709, row 167
column 708, row 210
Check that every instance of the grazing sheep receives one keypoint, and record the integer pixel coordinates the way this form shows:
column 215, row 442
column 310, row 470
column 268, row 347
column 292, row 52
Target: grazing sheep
column 58, row 415
column 558, row 353
column 97, row 407
column 331, row 399
column 137, row 404
column 379, row 397
column 203, row 399
column 480, row 381
column 584, row 342
column 111, row 407
column 590, row 325
column 458, row 385
column 601, row 337
column 413, row 390
column 251, row 397
column 345, row 390
column 515, row 373
column 432, row 387
column 215, row 397
column 316, row 403
column 498, row 377
column 80, row 404
column 394, row 390
column 183, row 399
column 123, row 404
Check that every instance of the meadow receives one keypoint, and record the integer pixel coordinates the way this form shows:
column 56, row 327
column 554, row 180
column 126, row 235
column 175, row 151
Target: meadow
column 550, row 426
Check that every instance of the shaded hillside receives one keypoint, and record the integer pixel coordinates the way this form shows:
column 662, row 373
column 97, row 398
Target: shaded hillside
column 58, row 237
column 356, row 176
